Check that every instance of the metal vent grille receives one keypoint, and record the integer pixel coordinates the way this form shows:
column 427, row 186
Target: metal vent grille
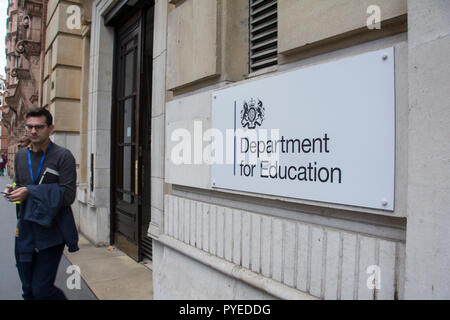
column 147, row 248
column 263, row 34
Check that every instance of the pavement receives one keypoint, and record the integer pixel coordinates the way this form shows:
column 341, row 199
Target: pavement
column 111, row 274
column 106, row 272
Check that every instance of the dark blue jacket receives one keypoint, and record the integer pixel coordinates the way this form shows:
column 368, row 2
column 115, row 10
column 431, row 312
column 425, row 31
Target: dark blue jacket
column 45, row 222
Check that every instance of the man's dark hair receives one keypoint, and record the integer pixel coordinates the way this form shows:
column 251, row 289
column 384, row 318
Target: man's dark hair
column 39, row 112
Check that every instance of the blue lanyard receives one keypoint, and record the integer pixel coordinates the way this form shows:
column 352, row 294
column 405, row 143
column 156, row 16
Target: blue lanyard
column 40, row 164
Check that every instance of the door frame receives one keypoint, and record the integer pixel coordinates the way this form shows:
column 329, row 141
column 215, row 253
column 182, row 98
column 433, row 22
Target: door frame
column 121, row 21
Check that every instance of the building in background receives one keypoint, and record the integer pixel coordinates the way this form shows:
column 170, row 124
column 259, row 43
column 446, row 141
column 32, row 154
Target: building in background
column 3, row 129
column 44, row 68
column 25, row 34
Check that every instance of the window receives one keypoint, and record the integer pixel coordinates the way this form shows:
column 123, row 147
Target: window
column 263, row 34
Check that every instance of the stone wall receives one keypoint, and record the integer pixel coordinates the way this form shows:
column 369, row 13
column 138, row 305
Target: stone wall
column 280, row 247
column 428, row 240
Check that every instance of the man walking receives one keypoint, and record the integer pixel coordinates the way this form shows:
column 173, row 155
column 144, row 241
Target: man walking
column 45, row 185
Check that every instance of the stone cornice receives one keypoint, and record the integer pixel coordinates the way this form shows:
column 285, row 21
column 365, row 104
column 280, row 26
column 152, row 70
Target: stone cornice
column 33, row 8
column 21, row 73
column 28, row 47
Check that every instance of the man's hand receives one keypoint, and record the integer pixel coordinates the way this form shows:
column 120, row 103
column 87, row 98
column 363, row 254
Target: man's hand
column 19, row 194
column 8, row 189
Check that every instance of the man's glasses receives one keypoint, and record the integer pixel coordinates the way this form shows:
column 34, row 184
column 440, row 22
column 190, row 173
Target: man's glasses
column 38, row 127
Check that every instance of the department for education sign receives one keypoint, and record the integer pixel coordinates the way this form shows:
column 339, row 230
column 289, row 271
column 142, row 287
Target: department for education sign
column 324, row 133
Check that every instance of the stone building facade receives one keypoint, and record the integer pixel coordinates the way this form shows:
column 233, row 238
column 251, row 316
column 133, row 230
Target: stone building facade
column 65, row 78
column 262, row 246
column 3, row 129
column 44, row 68
column 122, row 76
column 155, row 68
column 25, row 31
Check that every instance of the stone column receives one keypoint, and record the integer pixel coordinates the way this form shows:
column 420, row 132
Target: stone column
column 428, row 236
column 158, row 187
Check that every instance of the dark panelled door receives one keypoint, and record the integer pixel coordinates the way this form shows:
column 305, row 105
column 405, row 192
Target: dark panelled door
column 131, row 126
column 126, row 142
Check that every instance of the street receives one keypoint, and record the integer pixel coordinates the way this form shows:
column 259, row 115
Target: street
column 10, row 286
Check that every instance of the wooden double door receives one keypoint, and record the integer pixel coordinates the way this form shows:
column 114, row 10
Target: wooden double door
column 131, row 132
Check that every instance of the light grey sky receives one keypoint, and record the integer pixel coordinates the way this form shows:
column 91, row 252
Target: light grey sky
column 3, row 16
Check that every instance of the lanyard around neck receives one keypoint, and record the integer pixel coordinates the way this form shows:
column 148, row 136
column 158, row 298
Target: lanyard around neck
column 40, row 164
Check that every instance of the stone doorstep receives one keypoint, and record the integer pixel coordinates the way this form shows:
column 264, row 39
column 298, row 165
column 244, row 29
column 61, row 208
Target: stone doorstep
column 111, row 274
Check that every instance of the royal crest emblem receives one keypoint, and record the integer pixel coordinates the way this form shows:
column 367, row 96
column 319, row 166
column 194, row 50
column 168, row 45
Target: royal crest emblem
column 252, row 114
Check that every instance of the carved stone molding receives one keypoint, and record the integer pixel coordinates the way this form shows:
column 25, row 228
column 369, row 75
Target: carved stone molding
column 23, row 74
column 21, row 30
column 33, row 8
column 5, row 121
column 28, row 47
column 20, row 47
column 26, row 20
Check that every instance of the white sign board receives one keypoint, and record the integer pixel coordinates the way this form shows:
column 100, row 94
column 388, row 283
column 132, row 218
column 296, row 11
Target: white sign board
column 324, row 133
